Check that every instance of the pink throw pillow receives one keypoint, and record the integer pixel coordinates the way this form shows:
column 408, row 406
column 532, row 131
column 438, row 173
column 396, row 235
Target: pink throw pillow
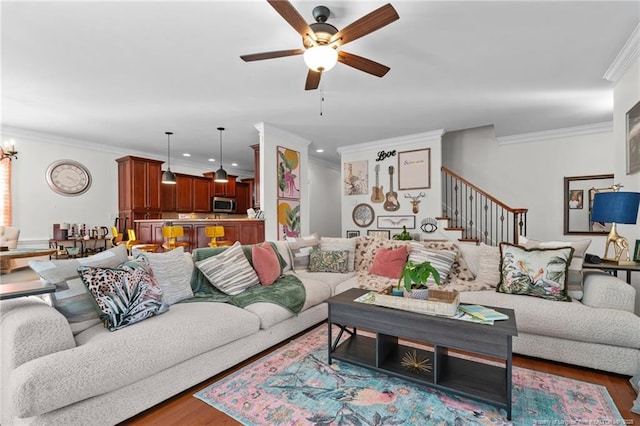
column 389, row 262
column 265, row 262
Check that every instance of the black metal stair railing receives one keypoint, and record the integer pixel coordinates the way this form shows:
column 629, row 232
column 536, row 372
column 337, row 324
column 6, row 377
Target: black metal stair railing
column 479, row 216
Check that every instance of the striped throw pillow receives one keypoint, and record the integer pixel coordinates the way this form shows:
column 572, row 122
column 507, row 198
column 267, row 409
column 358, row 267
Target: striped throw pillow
column 229, row 271
column 441, row 260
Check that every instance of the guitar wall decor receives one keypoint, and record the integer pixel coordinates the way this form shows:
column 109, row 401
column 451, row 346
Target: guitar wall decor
column 377, row 193
column 391, row 204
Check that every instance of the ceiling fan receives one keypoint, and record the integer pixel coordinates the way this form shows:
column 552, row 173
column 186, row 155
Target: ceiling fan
column 322, row 40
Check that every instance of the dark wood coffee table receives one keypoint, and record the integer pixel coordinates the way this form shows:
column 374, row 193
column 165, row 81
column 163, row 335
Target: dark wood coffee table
column 466, row 377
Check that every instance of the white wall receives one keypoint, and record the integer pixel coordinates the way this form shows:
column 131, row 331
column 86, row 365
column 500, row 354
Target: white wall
column 530, row 174
column 324, row 189
column 429, row 205
column 270, row 138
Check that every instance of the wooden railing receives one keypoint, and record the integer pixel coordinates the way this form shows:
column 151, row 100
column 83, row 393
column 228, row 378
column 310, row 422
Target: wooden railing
column 478, row 215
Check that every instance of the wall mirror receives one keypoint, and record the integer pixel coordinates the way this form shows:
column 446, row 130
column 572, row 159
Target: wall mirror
column 579, row 192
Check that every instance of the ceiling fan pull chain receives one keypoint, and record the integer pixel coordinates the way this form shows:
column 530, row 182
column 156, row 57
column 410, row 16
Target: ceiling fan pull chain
column 321, row 98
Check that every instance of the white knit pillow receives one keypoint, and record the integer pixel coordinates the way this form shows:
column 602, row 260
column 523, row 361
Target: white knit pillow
column 489, row 265
column 229, row 271
column 172, row 270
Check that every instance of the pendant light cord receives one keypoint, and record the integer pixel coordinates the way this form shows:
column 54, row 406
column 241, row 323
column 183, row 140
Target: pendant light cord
column 221, row 130
column 168, row 149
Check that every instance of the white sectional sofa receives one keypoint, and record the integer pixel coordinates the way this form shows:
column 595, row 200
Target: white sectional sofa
column 51, row 376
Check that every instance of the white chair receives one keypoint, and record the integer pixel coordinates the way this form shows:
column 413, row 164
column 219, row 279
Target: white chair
column 9, row 236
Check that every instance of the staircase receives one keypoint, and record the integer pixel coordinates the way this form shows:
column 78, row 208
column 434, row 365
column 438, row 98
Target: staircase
column 477, row 215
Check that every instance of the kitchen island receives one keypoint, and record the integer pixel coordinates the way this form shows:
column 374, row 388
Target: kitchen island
column 247, row 231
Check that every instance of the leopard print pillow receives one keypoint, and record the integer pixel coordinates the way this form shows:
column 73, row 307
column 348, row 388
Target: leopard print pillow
column 125, row 295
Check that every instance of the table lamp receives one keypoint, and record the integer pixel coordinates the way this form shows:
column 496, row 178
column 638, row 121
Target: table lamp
column 616, row 207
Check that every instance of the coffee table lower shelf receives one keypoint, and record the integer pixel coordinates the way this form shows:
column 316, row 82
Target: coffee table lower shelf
column 449, row 373
column 467, row 359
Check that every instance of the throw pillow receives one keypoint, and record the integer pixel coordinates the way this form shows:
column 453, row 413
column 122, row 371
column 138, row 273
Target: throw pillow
column 441, row 260
column 574, row 281
column 229, row 271
column 389, row 262
column 329, row 261
column 376, row 244
column 172, row 272
column 459, row 269
column 71, row 298
column 339, row 244
column 125, row 295
column 489, row 265
column 535, row 272
column 266, row 263
column 301, row 249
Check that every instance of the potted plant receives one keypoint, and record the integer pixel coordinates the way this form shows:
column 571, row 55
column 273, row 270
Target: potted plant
column 403, row 236
column 414, row 277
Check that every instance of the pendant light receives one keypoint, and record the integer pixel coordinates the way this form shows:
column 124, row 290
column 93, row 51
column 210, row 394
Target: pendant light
column 168, row 176
column 221, row 175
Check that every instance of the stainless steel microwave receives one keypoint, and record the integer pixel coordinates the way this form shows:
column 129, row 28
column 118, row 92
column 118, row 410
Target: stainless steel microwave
column 223, row 205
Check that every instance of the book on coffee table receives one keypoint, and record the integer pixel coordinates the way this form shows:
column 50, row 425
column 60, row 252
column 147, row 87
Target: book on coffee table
column 483, row 313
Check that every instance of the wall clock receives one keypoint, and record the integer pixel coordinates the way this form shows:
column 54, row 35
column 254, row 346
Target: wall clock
column 363, row 215
column 68, row 177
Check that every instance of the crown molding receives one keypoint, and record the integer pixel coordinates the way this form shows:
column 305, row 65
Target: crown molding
column 566, row 132
column 391, row 142
column 627, row 55
column 324, row 163
column 19, row 133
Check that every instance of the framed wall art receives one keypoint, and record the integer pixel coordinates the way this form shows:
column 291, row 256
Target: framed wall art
column 396, row 222
column 363, row 215
column 288, row 219
column 288, row 164
column 356, row 178
column 414, row 169
column 353, row 234
column 633, row 140
column 576, row 197
column 377, row 233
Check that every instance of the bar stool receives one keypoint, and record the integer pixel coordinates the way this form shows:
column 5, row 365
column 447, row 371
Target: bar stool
column 170, row 233
column 133, row 243
column 215, row 232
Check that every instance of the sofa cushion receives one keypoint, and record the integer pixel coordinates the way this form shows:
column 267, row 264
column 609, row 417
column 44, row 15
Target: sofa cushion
column 567, row 321
column 330, row 279
column 172, row 270
column 575, row 278
column 459, row 269
column 371, row 247
column 300, row 249
column 125, row 295
column 104, row 361
column 339, row 244
column 489, row 265
column 389, row 262
column 229, row 271
column 328, row 261
column 265, row 263
column 534, row 272
column 441, row 260
column 71, row 297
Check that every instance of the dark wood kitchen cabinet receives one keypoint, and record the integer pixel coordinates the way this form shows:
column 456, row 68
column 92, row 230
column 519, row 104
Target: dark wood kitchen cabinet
column 138, row 189
column 219, row 189
column 201, row 194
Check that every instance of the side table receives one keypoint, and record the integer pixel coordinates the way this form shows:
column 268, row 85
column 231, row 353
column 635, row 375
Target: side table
column 613, row 268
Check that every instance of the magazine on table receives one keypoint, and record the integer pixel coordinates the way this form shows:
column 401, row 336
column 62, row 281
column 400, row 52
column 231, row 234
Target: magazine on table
column 483, row 313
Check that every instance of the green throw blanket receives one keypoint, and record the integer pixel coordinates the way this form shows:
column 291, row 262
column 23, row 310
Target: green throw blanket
column 287, row 291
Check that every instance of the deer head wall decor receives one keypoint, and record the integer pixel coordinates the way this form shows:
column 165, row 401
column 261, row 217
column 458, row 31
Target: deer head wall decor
column 414, row 201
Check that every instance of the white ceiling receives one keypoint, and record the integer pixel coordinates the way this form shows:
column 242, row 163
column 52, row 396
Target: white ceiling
column 122, row 73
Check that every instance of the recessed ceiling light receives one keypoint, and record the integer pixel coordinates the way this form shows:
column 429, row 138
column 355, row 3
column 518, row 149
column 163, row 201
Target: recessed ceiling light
column 186, row 154
column 212, row 159
column 234, row 164
column 319, row 150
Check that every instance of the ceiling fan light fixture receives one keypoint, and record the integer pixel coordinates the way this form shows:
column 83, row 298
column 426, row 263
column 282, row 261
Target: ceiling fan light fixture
column 320, row 58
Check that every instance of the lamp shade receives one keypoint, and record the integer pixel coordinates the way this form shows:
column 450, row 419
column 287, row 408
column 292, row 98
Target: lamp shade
column 221, row 175
column 168, row 177
column 616, row 207
column 320, row 58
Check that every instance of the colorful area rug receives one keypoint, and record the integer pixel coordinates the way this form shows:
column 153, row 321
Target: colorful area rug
column 295, row 386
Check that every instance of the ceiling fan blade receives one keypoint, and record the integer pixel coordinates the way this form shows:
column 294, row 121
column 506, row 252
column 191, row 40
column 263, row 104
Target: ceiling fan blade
column 365, row 25
column 363, row 64
column 271, row 55
column 313, row 80
column 291, row 15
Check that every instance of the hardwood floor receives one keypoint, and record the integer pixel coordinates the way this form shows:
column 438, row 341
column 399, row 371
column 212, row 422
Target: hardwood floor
column 184, row 409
